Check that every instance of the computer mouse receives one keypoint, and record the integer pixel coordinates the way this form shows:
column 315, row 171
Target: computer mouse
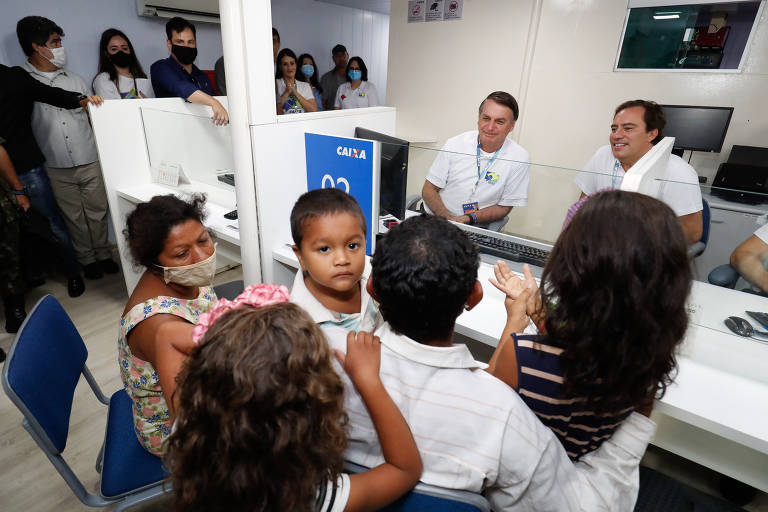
column 739, row 326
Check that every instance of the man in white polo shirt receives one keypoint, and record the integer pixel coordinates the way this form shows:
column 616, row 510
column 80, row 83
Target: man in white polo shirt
column 480, row 175
column 473, row 431
column 750, row 258
column 637, row 126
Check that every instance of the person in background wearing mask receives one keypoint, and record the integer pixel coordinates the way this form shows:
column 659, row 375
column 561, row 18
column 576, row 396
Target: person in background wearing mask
column 307, row 72
column 28, row 180
column 166, row 236
column 120, row 74
column 177, row 76
column 331, row 81
column 357, row 91
column 66, row 140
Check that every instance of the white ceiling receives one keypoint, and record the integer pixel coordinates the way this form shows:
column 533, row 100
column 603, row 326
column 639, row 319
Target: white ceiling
column 381, row 6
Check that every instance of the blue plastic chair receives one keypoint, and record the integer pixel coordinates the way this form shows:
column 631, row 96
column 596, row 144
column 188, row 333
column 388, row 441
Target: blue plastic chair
column 430, row 498
column 40, row 375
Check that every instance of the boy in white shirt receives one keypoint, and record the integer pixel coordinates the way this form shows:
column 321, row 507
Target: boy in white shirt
column 328, row 229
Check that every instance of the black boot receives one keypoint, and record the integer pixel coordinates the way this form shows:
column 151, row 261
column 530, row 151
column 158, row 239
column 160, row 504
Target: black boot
column 2, row 355
column 14, row 313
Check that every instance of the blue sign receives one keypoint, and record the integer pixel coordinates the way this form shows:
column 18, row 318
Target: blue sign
column 347, row 164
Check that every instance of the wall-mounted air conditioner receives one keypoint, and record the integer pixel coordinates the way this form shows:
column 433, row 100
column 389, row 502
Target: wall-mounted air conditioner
column 193, row 10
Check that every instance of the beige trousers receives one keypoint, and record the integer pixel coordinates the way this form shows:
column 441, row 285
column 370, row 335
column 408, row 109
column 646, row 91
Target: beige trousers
column 82, row 199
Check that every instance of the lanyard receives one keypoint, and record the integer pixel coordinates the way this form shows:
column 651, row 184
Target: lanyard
column 490, row 163
column 615, row 174
column 488, row 167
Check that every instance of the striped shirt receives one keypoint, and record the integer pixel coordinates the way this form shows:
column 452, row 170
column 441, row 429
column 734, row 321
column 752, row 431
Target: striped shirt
column 540, row 385
column 333, row 496
column 475, row 433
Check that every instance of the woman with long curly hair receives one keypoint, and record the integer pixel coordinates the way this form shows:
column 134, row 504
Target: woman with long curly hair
column 261, row 418
column 611, row 314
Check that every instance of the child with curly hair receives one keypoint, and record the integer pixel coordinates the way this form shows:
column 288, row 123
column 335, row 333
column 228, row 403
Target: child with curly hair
column 611, row 314
column 261, row 420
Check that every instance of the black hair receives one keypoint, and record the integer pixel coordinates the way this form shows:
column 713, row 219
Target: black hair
column 363, row 69
column 282, row 53
column 178, row 24
column 300, row 74
column 424, row 270
column 105, row 63
column 319, row 202
column 275, row 33
column 339, row 48
column 653, row 116
column 502, row 98
column 147, row 226
column 35, row 29
column 615, row 287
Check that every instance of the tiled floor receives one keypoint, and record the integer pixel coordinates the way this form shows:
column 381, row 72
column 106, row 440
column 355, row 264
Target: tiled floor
column 29, row 483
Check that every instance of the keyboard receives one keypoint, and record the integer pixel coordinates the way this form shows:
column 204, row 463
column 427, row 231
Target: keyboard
column 228, row 178
column 509, row 250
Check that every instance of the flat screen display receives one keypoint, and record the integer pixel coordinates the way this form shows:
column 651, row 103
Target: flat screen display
column 394, row 171
column 697, row 128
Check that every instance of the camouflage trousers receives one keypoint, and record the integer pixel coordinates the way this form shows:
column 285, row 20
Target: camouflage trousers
column 11, row 277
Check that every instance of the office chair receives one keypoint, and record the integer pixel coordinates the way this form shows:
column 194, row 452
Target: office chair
column 727, row 276
column 430, row 498
column 43, row 368
column 697, row 249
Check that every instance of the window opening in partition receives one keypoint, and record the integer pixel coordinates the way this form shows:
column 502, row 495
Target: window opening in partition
column 712, row 36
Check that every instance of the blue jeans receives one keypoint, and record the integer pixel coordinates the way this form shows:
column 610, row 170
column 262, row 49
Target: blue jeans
column 41, row 197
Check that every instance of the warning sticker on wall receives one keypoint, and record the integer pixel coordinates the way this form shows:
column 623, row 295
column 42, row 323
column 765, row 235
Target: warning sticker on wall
column 434, row 10
column 453, row 9
column 416, row 10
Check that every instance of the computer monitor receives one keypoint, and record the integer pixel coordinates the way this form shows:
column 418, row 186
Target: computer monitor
column 393, row 178
column 697, row 128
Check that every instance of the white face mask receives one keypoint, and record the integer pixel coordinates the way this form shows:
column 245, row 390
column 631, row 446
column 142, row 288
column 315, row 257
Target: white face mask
column 59, row 57
column 196, row 274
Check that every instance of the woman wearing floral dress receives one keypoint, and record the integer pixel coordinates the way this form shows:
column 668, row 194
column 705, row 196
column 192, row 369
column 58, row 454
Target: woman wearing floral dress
column 165, row 236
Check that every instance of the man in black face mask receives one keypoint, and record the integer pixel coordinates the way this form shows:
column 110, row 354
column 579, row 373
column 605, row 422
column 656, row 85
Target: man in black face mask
column 177, row 76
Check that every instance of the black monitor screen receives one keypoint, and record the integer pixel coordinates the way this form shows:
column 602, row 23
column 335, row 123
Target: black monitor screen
column 393, row 179
column 697, row 128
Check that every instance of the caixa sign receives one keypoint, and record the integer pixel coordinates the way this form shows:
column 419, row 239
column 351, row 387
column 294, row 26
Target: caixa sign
column 329, row 182
column 348, row 164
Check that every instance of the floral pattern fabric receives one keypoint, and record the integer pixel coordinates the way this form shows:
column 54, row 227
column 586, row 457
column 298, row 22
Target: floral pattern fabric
column 151, row 418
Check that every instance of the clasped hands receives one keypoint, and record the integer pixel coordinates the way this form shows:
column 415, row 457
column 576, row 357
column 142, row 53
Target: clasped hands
column 522, row 298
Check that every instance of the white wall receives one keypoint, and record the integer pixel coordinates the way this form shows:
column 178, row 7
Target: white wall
column 573, row 88
column 316, row 27
column 83, row 21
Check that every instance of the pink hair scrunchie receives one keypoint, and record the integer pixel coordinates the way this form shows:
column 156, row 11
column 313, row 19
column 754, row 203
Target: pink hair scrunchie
column 257, row 295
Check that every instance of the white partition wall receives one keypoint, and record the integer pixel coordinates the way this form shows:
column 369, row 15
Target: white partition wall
column 276, row 142
column 278, row 151
column 121, row 129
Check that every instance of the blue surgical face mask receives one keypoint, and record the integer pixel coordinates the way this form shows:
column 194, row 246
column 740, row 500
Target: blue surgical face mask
column 308, row 70
column 355, row 74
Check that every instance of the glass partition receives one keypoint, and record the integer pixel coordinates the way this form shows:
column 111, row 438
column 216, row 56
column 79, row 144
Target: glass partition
column 202, row 149
column 544, row 195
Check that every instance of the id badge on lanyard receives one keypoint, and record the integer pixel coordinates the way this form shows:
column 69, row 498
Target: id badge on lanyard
column 480, row 172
